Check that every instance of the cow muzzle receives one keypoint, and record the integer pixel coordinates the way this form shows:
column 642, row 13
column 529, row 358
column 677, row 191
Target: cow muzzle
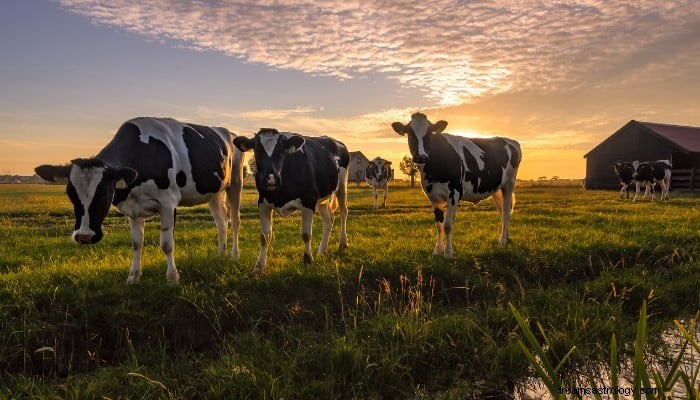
column 84, row 237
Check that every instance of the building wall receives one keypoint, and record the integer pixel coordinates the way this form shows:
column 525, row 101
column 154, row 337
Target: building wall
column 357, row 167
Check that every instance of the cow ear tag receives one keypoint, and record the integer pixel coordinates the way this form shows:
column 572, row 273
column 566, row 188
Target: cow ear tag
column 121, row 184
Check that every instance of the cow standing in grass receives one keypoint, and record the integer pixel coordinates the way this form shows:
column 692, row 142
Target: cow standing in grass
column 455, row 168
column 152, row 166
column 652, row 172
column 295, row 172
column 377, row 175
column 624, row 171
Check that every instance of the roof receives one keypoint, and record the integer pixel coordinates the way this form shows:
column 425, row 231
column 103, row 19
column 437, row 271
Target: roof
column 354, row 154
column 685, row 138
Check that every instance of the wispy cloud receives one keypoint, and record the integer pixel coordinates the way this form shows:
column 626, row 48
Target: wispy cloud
column 454, row 50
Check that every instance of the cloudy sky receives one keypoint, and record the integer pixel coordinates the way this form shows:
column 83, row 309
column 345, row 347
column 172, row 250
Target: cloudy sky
column 558, row 76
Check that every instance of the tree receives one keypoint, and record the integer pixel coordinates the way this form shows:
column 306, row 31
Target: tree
column 408, row 167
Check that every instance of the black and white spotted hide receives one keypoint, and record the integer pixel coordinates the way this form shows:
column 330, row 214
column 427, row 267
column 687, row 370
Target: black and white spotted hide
column 152, row 166
column 295, row 172
column 455, row 168
column 377, row 175
column 624, row 171
column 649, row 172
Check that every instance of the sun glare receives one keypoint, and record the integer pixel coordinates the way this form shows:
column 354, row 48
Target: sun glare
column 469, row 133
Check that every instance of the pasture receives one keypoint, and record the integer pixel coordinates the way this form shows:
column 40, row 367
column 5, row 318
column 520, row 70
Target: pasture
column 384, row 320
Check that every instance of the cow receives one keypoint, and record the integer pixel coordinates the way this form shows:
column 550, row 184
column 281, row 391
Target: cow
column 625, row 171
column 295, row 172
column 151, row 166
column 377, row 175
column 455, row 168
column 651, row 172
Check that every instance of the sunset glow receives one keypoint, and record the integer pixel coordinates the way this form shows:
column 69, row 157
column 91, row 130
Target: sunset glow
column 558, row 77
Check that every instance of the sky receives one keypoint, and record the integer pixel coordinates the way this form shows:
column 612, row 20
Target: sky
column 557, row 76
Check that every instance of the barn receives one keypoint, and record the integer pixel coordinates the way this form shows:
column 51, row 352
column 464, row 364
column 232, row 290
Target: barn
column 646, row 141
column 357, row 167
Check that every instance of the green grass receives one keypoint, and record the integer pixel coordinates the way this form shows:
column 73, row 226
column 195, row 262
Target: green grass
column 384, row 320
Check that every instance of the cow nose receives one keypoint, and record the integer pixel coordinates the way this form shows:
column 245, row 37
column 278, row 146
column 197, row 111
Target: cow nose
column 83, row 239
column 270, row 180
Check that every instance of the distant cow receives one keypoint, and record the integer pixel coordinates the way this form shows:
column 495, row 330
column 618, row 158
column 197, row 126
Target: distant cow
column 151, row 166
column 625, row 171
column 295, row 172
column 454, row 168
column 377, row 175
column 653, row 172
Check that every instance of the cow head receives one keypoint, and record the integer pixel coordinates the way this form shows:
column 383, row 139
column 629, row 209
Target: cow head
column 419, row 131
column 378, row 168
column 269, row 148
column 90, row 188
column 625, row 170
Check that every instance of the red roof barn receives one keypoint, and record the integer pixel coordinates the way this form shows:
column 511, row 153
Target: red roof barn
column 646, row 141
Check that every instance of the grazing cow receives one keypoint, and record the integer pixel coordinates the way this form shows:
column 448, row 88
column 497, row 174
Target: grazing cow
column 652, row 172
column 455, row 168
column 295, row 172
column 151, row 166
column 625, row 171
column 377, row 175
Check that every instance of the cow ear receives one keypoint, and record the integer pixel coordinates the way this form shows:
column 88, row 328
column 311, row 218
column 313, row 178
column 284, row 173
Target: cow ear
column 126, row 176
column 387, row 163
column 51, row 172
column 243, row 143
column 400, row 128
column 123, row 176
column 439, row 126
column 293, row 143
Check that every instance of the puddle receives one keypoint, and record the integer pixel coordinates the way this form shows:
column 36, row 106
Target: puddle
column 533, row 388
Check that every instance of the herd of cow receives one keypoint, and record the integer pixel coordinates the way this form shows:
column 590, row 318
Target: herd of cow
column 154, row 165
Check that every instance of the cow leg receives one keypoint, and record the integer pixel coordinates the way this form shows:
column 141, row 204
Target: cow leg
column 508, row 201
column 233, row 195
column 375, row 194
column 327, row 217
column 342, row 198
column 449, row 222
column 624, row 190
column 307, row 222
column 636, row 193
column 265, row 211
column 220, row 213
column 386, row 192
column 167, row 242
column 136, row 226
column 439, row 212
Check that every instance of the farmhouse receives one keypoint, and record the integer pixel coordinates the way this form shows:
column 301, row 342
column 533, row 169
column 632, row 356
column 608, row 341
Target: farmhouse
column 646, row 141
column 357, row 167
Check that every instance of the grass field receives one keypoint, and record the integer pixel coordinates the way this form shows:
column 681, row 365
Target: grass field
column 385, row 320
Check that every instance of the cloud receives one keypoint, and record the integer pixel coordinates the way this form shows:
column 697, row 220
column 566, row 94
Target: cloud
column 454, row 50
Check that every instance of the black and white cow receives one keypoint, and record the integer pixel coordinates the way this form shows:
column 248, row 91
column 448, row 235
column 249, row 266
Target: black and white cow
column 295, row 172
column 652, row 172
column 625, row 171
column 377, row 175
column 455, row 168
column 152, row 166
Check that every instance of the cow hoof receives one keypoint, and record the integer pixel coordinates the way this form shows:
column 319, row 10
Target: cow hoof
column 173, row 278
column 234, row 255
column 343, row 247
column 308, row 258
column 133, row 278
